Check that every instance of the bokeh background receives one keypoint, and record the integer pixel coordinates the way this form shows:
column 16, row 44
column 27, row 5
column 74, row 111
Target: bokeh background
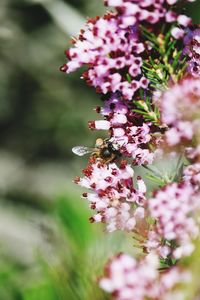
column 48, row 249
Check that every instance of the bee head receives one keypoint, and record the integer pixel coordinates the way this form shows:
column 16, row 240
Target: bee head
column 99, row 143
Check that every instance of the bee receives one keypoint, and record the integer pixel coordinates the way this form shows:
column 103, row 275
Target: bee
column 104, row 150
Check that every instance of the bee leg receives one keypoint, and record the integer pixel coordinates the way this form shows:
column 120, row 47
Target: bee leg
column 110, row 159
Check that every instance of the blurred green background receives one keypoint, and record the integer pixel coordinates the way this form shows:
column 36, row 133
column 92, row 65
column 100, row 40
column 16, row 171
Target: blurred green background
column 48, row 249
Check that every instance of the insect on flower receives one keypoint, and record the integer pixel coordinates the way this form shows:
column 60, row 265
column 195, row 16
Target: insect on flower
column 104, row 150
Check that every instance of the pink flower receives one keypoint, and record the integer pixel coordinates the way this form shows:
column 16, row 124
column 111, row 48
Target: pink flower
column 182, row 130
column 100, row 125
column 178, row 33
column 192, row 174
column 114, row 196
column 171, row 2
column 193, row 153
column 174, row 207
column 180, row 106
column 184, row 20
column 131, row 135
column 128, row 279
column 132, row 12
column 111, row 53
column 192, row 50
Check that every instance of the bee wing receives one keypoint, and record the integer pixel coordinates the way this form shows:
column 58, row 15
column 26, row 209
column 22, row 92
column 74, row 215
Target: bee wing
column 81, row 150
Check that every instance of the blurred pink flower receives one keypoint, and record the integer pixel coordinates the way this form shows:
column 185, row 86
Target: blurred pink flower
column 128, row 279
column 174, row 208
column 180, row 109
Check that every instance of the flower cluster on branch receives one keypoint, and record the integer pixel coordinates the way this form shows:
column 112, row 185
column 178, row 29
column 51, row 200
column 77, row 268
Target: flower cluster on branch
column 128, row 279
column 143, row 58
column 114, row 197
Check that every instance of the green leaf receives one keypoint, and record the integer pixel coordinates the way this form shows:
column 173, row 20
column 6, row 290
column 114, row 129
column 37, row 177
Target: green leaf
column 74, row 216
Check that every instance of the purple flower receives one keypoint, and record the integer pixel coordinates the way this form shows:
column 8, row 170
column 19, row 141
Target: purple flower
column 192, row 50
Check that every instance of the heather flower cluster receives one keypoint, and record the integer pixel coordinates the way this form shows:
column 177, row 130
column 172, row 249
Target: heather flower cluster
column 174, row 208
column 192, row 50
column 130, row 132
column 143, row 59
column 113, row 195
column 192, row 174
column 111, row 54
column 133, row 12
column 180, row 107
column 129, row 279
